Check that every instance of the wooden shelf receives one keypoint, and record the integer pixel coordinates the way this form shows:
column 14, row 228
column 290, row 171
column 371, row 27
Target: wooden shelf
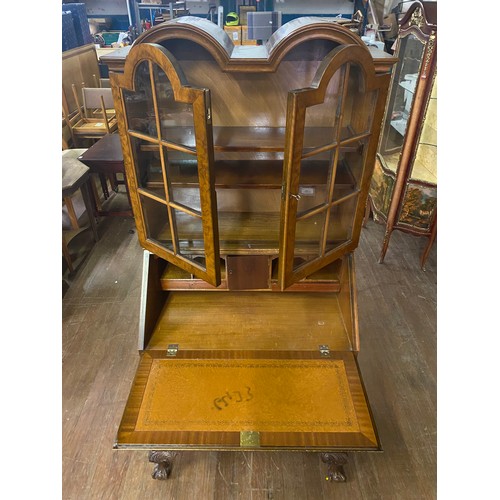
column 250, row 174
column 326, row 279
column 250, row 139
column 246, row 233
column 288, row 321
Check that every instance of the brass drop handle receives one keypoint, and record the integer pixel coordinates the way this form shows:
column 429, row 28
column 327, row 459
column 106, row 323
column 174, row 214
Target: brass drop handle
column 296, row 196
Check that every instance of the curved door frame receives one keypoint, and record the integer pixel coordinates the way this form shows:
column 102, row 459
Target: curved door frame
column 154, row 54
column 298, row 102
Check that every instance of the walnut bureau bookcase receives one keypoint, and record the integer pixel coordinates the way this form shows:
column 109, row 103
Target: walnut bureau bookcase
column 248, row 170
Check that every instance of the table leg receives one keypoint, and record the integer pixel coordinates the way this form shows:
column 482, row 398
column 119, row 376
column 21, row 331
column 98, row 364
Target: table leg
column 163, row 463
column 126, row 188
column 335, row 462
column 427, row 249
column 71, row 212
column 113, row 181
column 95, row 195
column 89, row 206
column 66, row 255
column 367, row 212
column 104, row 185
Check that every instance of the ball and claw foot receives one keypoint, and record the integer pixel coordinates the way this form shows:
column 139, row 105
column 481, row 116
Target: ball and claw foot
column 335, row 462
column 163, row 461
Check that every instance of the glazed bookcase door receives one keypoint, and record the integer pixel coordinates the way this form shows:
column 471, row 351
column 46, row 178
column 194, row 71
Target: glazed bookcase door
column 166, row 134
column 325, row 185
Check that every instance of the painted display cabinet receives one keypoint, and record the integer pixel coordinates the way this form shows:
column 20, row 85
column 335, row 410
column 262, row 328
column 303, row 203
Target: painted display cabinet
column 248, row 171
column 403, row 191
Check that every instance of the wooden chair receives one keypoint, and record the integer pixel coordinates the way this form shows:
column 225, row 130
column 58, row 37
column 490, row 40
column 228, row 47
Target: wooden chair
column 95, row 121
column 103, row 83
column 87, row 124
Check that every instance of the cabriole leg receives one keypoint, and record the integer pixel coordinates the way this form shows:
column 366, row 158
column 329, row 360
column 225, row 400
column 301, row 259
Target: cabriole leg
column 335, row 462
column 163, row 461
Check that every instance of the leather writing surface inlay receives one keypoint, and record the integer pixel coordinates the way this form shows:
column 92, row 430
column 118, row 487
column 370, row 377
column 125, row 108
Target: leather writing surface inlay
column 247, row 395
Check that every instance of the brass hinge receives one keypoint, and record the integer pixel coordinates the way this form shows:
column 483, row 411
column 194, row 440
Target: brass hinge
column 324, row 350
column 172, row 350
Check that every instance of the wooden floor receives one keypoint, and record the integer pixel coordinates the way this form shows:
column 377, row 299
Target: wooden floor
column 397, row 319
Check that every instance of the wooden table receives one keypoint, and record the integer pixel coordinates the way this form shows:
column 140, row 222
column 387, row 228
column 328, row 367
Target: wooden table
column 76, row 176
column 105, row 158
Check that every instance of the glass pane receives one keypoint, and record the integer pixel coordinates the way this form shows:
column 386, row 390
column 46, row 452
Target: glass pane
column 359, row 105
column 176, row 118
column 189, row 229
column 139, row 103
column 147, row 164
column 425, row 164
column 314, row 181
column 157, row 222
column 351, row 167
column 401, row 96
column 340, row 223
column 189, row 197
column 182, row 176
column 321, row 122
column 190, row 233
column 308, row 235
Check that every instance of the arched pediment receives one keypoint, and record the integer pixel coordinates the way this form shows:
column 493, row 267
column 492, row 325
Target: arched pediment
column 264, row 58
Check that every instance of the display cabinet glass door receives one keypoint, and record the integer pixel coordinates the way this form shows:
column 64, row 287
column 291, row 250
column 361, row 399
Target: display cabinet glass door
column 419, row 200
column 167, row 129
column 325, row 186
column 401, row 98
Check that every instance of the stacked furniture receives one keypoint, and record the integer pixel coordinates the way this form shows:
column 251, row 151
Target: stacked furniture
column 80, row 67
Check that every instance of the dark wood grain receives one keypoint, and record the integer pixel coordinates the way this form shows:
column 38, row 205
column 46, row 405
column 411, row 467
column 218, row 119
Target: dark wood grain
column 248, row 272
column 105, row 157
column 107, row 151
